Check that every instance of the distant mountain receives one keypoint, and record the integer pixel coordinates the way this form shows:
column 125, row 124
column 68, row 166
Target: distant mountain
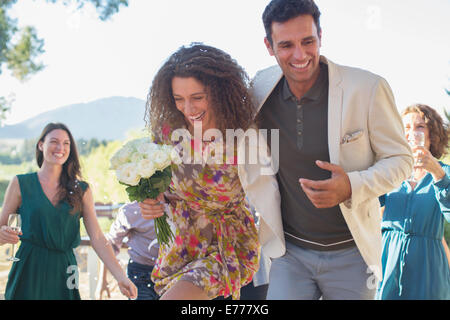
column 108, row 118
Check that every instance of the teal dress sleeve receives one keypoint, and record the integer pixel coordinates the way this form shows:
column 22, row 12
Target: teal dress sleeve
column 84, row 185
column 382, row 200
column 442, row 189
column 414, row 263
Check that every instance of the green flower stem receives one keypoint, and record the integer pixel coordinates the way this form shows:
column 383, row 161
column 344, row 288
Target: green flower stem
column 163, row 232
column 150, row 188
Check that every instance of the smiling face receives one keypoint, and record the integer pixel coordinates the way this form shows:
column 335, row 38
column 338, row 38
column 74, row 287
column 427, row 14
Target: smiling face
column 296, row 44
column 413, row 122
column 191, row 99
column 55, row 147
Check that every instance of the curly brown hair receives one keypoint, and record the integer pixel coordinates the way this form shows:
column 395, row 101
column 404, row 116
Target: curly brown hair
column 225, row 81
column 438, row 130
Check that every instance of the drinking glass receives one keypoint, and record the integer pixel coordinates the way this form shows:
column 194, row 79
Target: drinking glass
column 416, row 139
column 15, row 223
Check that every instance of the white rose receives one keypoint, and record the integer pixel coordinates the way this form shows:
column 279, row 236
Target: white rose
column 145, row 168
column 128, row 174
column 161, row 159
column 121, row 157
column 136, row 157
column 129, row 146
column 147, row 148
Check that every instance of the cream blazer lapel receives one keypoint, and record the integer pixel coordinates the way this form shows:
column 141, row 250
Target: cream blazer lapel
column 266, row 80
column 262, row 190
column 263, row 85
column 271, row 230
column 334, row 110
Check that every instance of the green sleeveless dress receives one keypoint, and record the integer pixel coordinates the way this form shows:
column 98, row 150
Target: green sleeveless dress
column 47, row 269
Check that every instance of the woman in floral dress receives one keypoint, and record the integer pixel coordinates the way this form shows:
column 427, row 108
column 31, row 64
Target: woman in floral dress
column 216, row 250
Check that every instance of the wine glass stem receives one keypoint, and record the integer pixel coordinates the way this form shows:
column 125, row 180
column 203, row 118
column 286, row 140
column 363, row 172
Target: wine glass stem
column 12, row 251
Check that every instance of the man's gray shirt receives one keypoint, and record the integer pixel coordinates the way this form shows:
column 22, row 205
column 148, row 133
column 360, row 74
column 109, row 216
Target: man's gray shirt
column 303, row 140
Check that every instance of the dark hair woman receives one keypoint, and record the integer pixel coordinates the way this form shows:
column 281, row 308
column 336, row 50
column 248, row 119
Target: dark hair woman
column 70, row 173
column 50, row 203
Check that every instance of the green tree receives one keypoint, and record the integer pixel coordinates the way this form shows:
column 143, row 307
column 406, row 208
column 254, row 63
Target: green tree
column 7, row 158
column 95, row 168
column 84, row 146
column 20, row 48
column 103, row 181
column 27, row 151
column 105, row 8
column 5, row 105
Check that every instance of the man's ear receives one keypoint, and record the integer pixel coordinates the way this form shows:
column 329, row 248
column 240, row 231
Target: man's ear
column 268, row 46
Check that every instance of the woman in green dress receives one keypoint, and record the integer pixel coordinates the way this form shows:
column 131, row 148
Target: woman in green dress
column 51, row 203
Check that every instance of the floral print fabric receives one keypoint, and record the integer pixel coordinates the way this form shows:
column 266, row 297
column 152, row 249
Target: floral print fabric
column 216, row 242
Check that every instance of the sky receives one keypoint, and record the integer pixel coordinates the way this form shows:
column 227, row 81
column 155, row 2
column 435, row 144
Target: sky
column 404, row 41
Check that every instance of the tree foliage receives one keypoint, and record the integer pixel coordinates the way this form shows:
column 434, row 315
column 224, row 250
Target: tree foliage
column 21, row 56
column 5, row 106
column 103, row 181
column 84, row 146
column 105, row 8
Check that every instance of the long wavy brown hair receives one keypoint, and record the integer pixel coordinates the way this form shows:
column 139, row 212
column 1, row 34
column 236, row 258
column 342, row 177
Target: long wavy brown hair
column 437, row 128
column 69, row 188
column 225, row 81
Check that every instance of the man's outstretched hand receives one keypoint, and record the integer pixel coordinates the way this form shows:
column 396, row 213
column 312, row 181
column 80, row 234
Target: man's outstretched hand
column 328, row 193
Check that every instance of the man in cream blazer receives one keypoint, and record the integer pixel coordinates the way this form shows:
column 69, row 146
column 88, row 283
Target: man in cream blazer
column 368, row 156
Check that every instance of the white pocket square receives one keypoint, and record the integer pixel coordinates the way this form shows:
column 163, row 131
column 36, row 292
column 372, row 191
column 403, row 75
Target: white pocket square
column 349, row 137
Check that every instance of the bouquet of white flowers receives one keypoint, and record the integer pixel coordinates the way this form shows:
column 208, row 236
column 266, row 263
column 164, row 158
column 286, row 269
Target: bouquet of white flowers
column 144, row 167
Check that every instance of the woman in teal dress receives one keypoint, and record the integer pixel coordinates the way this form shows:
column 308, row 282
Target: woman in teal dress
column 51, row 203
column 414, row 261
